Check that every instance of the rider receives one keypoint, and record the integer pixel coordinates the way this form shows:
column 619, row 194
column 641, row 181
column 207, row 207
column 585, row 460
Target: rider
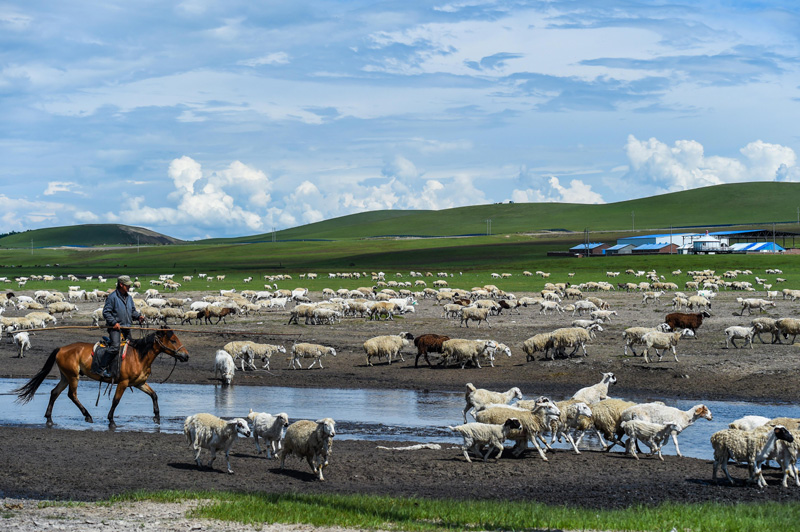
column 119, row 311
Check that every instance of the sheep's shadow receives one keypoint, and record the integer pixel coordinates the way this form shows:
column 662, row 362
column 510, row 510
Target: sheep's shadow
column 303, row 476
column 185, row 466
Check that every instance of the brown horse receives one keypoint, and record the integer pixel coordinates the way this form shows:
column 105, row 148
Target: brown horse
column 76, row 359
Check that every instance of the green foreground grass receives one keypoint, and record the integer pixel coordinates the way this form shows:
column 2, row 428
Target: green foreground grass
column 388, row 513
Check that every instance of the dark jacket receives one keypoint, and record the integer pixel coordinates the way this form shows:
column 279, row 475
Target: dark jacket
column 120, row 309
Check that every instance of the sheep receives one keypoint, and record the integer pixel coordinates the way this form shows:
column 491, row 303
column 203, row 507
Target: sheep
column 476, row 435
column 270, row 427
column 735, row 331
column 765, row 325
column 606, row 420
column 428, row 343
column 660, row 413
column 664, row 341
column 551, row 305
column 22, row 339
column 633, row 336
column 584, row 305
column 752, row 447
column 572, row 411
column 651, row 296
column 698, row 302
column 749, row 422
column 383, row 308
column 306, row 350
column 475, row 314
column 243, row 350
column 225, row 367
column 312, row 440
column 464, row 351
column 602, row 314
column 677, row 320
column 534, row 422
column 653, row 435
column 596, row 392
column 167, row 313
column 575, row 337
column 536, row 343
column 206, row 431
column 679, row 302
column 61, row 308
column 585, row 324
column 389, row 346
column 750, row 303
column 214, row 311
column 787, row 326
column 479, row 398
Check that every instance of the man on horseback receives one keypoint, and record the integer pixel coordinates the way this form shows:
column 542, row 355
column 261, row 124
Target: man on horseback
column 119, row 312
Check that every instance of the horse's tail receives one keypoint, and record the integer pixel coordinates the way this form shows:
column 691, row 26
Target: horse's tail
column 26, row 392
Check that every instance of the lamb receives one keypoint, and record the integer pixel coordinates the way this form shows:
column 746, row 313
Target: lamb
column 475, row 314
column 602, row 314
column 572, row 411
column 749, row 422
column 597, row 392
column 464, row 351
column 585, row 324
column 766, row 325
column 633, row 336
column 270, row 427
column 752, row 447
column 206, row 431
column 312, row 440
column 534, row 422
column 664, row 341
column 736, row 332
column 428, row 343
column 22, row 339
column 750, row 303
column 188, row 316
column 550, row 305
column 536, row 343
column 653, row 435
column 225, row 367
column 306, row 350
column 660, row 413
column 677, row 321
column 477, row 435
column 787, row 326
column 214, row 311
column 389, row 346
column 479, row 398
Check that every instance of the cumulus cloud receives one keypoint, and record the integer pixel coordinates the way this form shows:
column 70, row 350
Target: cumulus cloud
column 684, row 165
column 277, row 58
column 553, row 191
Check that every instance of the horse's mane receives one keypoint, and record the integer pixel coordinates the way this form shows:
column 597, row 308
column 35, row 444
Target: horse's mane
column 143, row 345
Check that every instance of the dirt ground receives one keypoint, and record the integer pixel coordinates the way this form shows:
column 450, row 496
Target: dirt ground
column 60, row 464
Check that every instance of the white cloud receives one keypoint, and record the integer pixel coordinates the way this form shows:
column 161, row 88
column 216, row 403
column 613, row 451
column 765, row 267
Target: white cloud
column 554, row 192
column 54, row 187
column 276, row 58
column 401, row 168
column 684, row 165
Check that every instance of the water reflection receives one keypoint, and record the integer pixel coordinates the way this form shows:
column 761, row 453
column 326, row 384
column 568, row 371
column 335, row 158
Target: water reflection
column 399, row 415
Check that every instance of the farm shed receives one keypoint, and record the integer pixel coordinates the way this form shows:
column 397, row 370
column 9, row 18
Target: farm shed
column 592, row 248
column 620, row 249
column 756, row 247
column 664, row 238
column 652, row 249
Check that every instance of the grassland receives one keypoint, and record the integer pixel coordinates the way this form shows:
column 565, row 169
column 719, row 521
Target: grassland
column 385, row 513
column 85, row 235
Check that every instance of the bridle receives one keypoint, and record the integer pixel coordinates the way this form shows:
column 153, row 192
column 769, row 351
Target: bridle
column 170, row 351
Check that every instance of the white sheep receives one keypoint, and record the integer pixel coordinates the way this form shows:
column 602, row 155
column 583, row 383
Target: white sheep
column 224, row 366
column 574, row 415
column 479, row 398
column 463, row 351
column 748, row 422
column 752, row 447
column 534, row 422
column 306, row 350
column 22, row 339
column 312, row 440
column 476, row 435
column 270, row 427
column 787, row 326
column 475, row 314
column 660, row 340
column 660, row 413
column 584, row 305
column 207, row 431
column 654, row 435
column 634, row 336
column 606, row 420
column 597, row 392
column 742, row 333
column 762, row 325
column 536, row 343
column 390, row 346
column 574, row 337
column 754, row 303
column 551, row 305
column 604, row 315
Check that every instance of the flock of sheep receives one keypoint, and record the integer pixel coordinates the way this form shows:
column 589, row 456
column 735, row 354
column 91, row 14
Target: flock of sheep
column 589, row 410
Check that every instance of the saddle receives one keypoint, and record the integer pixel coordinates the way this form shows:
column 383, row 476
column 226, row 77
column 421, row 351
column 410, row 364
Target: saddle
column 99, row 352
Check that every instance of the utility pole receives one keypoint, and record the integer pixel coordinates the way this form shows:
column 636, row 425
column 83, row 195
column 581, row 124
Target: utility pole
column 137, row 244
column 31, row 246
column 488, row 226
column 273, row 233
column 670, row 239
column 773, row 237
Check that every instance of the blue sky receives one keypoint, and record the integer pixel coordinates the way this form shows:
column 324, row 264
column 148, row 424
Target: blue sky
column 203, row 118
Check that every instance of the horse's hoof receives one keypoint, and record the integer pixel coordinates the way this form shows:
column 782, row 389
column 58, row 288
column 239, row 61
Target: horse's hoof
column 111, row 424
column 157, row 419
column 88, row 419
column 49, row 423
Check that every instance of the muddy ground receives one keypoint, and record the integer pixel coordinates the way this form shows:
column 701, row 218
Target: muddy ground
column 90, row 465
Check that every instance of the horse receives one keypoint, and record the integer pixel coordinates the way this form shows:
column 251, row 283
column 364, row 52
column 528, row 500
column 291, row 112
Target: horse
column 76, row 359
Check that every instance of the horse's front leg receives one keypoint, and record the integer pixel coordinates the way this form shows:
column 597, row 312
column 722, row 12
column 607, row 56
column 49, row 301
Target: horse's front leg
column 121, row 387
column 154, row 396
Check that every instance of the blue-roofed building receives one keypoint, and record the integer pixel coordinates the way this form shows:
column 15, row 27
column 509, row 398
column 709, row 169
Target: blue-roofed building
column 651, row 249
column 663, row 238
column 756, row 247
column 592, row 248
column 620, row 249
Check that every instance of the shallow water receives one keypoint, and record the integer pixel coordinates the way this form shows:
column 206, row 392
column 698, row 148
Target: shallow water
column 399, row 415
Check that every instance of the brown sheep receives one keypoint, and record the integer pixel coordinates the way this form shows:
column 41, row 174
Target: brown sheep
column 678, row 321
column 428, row 343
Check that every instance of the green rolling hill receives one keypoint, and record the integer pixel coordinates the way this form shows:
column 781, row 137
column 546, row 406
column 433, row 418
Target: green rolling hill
column 88, row 235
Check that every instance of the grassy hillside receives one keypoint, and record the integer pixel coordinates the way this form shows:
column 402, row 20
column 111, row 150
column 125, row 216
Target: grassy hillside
column 86, row 235
column 740, row 204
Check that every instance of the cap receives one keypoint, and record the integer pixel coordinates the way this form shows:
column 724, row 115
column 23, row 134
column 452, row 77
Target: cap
column 124, row 279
